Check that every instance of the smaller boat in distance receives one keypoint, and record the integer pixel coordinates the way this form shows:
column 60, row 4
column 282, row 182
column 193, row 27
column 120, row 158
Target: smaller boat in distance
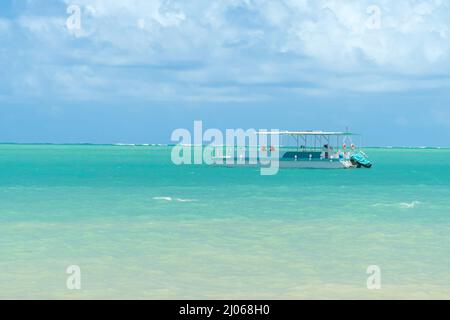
column 310, row 150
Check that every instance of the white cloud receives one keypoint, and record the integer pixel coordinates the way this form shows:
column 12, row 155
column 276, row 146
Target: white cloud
column 166, row 49
column 411, row 38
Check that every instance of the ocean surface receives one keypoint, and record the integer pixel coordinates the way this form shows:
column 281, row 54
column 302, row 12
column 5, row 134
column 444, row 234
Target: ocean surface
column 140, row 227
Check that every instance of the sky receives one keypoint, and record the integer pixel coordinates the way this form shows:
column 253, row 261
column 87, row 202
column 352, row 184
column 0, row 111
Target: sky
column 132, row 71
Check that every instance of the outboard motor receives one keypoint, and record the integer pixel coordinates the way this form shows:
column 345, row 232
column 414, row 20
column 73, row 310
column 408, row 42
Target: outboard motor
column 361, row 160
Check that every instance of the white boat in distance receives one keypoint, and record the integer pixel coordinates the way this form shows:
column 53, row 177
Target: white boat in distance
column 310, row 150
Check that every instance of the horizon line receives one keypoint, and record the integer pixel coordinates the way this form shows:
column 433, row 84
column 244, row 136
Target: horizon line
column 120, row 144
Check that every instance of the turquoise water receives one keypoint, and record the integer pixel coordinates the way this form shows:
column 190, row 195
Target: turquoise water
column 140, row 227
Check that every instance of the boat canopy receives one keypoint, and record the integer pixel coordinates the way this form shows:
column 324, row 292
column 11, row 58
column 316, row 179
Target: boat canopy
column 308, row 133
column 314, row 140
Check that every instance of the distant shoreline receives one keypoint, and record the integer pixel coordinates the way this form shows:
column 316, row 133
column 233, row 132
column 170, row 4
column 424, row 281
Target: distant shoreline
column 171, row 145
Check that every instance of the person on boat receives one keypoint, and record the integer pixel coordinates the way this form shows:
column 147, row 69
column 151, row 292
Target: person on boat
column 326, row 151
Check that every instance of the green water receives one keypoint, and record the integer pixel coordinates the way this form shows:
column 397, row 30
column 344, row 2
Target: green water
column 140, row 227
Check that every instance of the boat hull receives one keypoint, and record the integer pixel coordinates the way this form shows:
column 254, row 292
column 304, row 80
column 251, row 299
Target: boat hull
column 315, row 164
column 299, row 164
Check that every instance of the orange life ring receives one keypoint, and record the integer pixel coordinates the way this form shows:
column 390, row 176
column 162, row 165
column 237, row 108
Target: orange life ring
column 344, row 146
column 263, row 148
column 272, row 149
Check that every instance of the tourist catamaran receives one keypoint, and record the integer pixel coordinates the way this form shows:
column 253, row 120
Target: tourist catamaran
column 311, row 149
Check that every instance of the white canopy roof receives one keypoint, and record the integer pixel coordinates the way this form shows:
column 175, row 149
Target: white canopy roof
column 307, row 133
